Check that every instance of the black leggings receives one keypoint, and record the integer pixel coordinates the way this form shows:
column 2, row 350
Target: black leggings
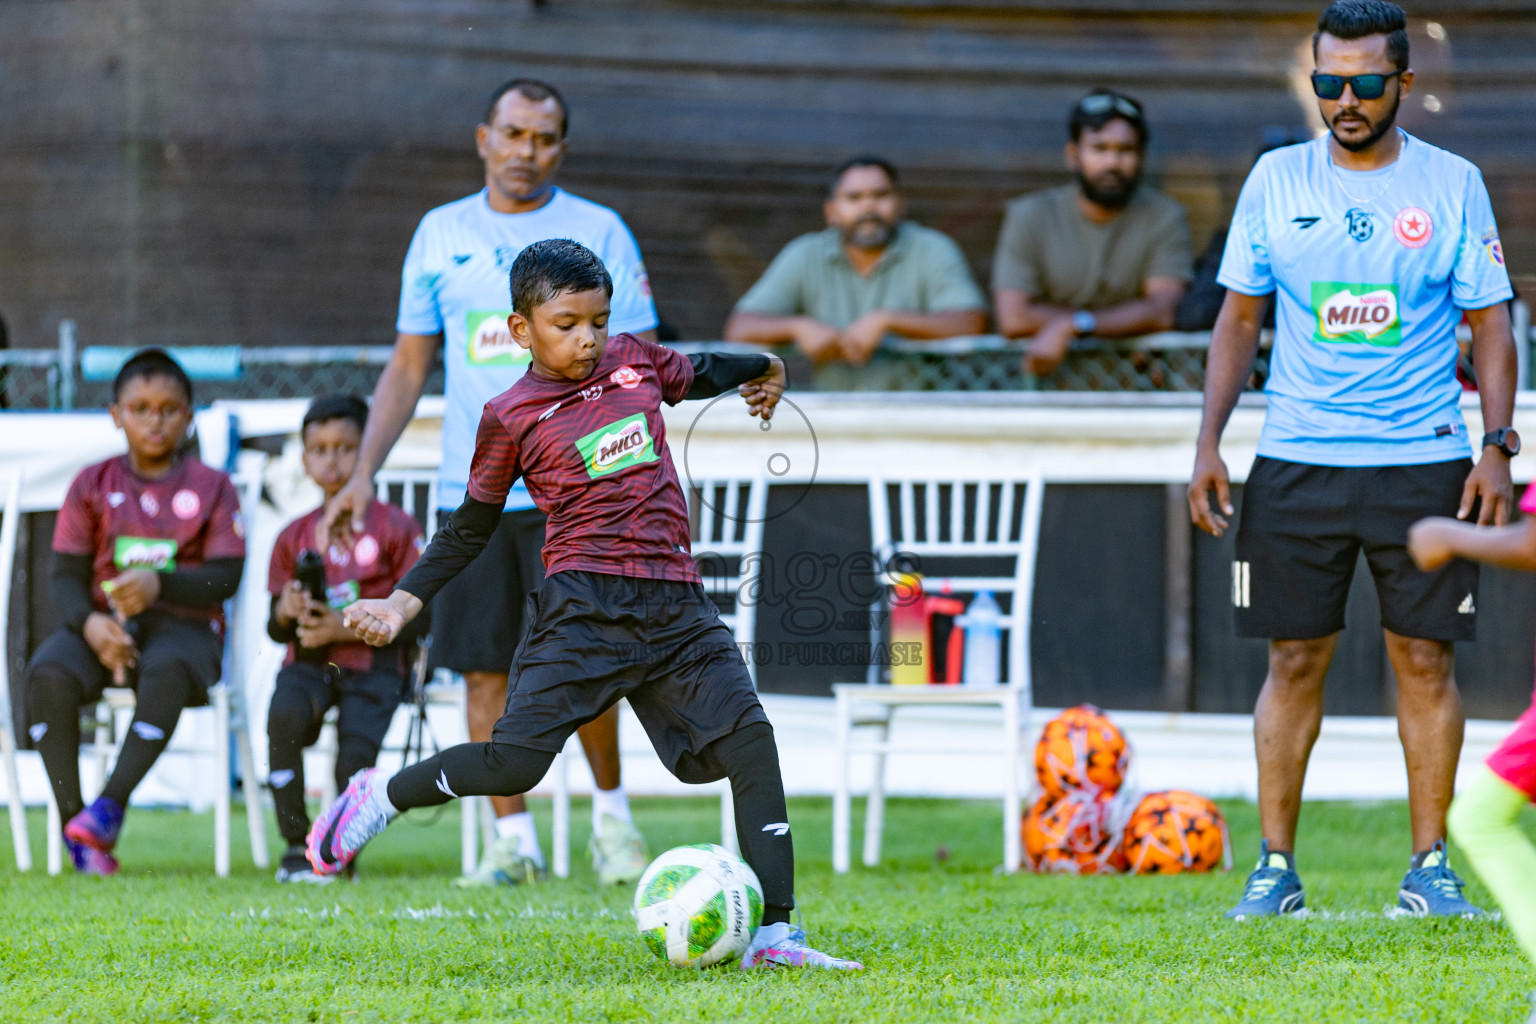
column 176, row 666
column 303, row 694
column 749, row 756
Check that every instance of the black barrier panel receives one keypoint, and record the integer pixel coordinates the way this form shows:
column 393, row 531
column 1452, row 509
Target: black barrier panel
column 1099, row 615
column 1099, row 597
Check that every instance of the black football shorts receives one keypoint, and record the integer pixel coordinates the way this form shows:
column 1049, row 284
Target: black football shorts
column 594, row 638
column 1300, row 534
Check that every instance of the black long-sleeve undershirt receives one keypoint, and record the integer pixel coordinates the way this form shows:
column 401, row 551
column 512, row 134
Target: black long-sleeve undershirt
column 469, row 529
column 201, row 586
column 715, row 373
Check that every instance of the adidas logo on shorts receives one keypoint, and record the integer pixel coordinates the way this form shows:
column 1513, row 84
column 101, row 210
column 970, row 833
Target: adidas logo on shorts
column 1240, row 585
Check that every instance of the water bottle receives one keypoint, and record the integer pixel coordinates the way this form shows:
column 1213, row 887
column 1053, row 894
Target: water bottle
column 983, row 625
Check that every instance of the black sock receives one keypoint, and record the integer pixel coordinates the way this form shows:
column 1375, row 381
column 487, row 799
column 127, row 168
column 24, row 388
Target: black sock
column 165, row 688
column 53, row 707
column 469, row 769
column 751, row 761
column 291, row 722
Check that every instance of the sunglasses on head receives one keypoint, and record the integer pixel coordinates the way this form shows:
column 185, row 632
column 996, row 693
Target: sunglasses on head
column 1365, row 87
column 1102, row 102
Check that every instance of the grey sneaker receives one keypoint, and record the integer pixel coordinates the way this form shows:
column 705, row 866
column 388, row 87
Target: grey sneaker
column 783, row 945
column 618, row 852
column 1273, row 888
column 502, row 865
column 1433, row 889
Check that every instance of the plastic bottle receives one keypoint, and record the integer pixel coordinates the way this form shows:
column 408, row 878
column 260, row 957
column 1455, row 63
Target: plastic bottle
column 983, row 625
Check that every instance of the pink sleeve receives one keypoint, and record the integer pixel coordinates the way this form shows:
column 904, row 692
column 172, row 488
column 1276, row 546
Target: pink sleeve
column 73, row 532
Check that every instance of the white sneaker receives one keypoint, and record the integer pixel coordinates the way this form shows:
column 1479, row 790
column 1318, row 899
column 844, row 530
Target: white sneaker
column 502, row 865
column 618, row 852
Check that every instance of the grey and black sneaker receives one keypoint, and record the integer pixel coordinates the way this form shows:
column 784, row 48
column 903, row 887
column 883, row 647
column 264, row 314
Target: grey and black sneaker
column 1431, row 888
column 294, row 867
column 1273, row 888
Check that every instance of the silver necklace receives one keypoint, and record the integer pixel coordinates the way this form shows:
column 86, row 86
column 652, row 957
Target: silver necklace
column 1379, row 192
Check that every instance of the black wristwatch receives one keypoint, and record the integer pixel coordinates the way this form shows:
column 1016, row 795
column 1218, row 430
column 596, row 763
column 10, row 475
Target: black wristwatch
column 1505, row 440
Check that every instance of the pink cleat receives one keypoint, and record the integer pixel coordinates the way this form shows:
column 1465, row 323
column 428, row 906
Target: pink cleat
column 359, row 814
column 783, row 945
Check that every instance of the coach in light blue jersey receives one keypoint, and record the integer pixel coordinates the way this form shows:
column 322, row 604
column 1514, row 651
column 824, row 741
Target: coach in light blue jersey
column 455, row 298
column 1373, row 244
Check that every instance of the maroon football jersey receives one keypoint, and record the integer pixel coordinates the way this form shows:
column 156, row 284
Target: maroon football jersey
column 187, row 517
column 594, row 456
column 386, row 549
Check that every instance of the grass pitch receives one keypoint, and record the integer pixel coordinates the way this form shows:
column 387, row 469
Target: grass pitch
column 943, row 940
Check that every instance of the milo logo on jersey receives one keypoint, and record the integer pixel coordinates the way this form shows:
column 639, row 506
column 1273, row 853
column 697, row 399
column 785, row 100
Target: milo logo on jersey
column 155, row 553
column 488, row 341
column 1356, row 313
column 609, row 449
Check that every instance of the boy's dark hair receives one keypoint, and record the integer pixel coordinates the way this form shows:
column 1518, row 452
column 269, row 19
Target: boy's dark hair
column 151, row 362
column 1102, row 106
column 863, row 160
column 529, row 89
column 1356, row 19
column 555, row 265
column 336, row 407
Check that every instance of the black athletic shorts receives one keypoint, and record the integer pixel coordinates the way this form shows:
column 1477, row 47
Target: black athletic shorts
column 477, row 618
column 162, row 638
column 366, row 700
column 1300, row 535
column 594, row 638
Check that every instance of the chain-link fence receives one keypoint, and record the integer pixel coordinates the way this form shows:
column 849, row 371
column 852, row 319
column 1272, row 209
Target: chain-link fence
column 59, row 379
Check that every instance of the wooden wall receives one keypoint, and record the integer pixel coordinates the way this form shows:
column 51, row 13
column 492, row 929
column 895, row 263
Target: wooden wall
column 207, row 171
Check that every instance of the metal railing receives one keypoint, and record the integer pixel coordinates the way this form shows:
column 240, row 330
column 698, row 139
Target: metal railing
column 68, row 377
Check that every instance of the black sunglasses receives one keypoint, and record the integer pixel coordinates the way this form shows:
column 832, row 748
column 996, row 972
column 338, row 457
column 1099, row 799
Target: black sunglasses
column 1099, row 103
column 1365, row 87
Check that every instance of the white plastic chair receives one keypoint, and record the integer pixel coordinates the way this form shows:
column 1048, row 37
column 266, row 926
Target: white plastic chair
column 725, row 520
column 227, row 700
column 937, row 520
column 18, row 810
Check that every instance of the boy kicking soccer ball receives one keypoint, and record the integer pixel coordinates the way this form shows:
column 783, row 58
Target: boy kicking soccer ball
column 1482, row 818
column 621, row 613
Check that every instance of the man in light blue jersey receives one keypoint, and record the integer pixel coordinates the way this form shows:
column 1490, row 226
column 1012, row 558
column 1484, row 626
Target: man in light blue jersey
column 1373, row 244
column 454, row 298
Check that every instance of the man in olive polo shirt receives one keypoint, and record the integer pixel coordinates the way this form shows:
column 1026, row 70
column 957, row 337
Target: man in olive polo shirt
column 837, row 294
column 1105, row 256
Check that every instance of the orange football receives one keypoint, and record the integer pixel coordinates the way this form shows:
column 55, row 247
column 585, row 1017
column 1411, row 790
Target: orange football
column 1175, row 831
column 1081, row 750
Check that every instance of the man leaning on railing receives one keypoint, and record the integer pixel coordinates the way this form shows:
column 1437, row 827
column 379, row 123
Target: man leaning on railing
column 1105, row 257
column 838, row 294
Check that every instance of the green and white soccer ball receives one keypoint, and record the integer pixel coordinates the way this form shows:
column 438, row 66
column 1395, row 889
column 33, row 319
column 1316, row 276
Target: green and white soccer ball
column 698, row 905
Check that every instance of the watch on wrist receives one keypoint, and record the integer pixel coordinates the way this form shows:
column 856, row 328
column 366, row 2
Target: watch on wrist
column 1084, row 322
column 1505, row 440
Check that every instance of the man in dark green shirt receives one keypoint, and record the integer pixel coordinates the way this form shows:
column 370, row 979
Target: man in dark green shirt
column 837, row 294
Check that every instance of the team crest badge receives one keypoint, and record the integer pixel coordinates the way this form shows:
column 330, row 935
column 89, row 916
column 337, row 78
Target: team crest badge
column 186, row 504
column 1359, row 225
column 626, row 378
column 366, row 550
column 1493, row 247
column 1412, row 227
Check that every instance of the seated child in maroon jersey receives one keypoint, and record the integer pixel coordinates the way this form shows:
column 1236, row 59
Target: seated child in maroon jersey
column 147, row 548
column 621, row 613
column 327, row 665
